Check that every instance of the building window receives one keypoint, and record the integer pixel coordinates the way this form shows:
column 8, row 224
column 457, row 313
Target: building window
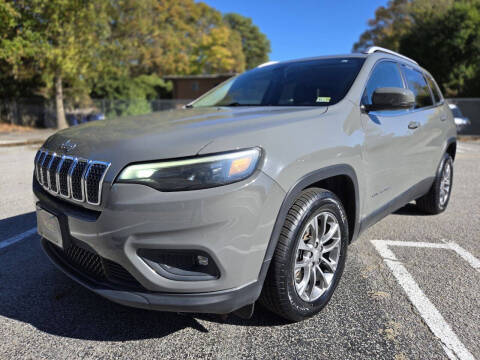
column 195, row 86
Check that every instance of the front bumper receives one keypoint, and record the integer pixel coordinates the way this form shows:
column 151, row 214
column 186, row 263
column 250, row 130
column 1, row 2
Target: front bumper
column 217, row 302
column 232, row 224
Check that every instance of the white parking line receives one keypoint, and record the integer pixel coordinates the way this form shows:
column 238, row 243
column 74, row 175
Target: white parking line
column 462, row 148
column 464, row 254
column 17, row 238
column 452, row 345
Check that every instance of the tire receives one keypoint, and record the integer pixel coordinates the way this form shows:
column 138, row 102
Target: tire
column 436, row 200
column 286, row 290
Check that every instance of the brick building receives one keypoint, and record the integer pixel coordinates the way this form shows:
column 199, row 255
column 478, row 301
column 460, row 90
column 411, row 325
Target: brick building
column 192, row 86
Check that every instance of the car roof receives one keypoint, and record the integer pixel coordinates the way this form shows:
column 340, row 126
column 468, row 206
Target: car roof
column 374, row 51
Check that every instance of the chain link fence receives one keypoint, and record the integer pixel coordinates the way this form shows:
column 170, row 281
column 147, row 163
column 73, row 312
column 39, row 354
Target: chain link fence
column 38, row 112
column 41, row 113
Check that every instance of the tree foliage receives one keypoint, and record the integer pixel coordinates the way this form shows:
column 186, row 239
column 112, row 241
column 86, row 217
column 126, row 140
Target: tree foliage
column 255, row 44
column 116, row 49
column 448, row 45
column 442, row 35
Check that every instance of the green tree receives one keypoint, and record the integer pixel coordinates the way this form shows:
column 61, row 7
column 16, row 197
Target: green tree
column 395, row 20
column 177, row 37
column 255, row 44
column 448, row 45
column 59, row 39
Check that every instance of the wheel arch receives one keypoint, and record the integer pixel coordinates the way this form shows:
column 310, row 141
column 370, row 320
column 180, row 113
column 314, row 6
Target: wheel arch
column 451, row 147
column 341, row 180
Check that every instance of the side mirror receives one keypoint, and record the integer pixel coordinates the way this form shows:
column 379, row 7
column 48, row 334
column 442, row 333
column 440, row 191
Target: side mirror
column 391, row 98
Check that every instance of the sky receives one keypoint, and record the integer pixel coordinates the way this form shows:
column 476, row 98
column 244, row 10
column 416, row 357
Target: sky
column 304, row 28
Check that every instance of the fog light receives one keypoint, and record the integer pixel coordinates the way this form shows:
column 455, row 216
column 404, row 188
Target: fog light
column 202, row 260
column 175, row 264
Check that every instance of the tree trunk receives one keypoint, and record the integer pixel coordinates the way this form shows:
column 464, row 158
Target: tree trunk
column 61, row 120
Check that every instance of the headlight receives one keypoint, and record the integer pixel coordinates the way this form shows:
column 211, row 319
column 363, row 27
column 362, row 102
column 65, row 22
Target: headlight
column 194, row 173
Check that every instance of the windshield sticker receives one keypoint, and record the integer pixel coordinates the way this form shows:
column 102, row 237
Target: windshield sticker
column 323, row 99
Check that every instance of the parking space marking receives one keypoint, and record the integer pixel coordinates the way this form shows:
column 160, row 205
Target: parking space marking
column 451, row 344
column 17, row 238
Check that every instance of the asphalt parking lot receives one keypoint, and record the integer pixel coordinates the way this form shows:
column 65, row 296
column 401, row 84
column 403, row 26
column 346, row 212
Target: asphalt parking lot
column 410, row 291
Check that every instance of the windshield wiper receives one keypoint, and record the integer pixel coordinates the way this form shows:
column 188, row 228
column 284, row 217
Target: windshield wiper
column 237, row 104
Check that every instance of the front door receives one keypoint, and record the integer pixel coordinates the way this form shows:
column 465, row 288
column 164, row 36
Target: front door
column 387, row 138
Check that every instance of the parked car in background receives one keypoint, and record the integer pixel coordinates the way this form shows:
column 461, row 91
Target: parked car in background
column 81, row 118
column 460, row 121
column 254, row 191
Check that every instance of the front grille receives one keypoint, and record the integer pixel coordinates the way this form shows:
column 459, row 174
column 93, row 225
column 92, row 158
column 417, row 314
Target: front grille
column 73, row 178
column 94, row 266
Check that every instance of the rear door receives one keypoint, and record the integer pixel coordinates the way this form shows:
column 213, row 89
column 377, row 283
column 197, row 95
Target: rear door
column 422, row 149
column 386, row 135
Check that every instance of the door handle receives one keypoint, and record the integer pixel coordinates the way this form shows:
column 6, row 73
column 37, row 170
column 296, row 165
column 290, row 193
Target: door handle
column 413, row 125
column 443, row 117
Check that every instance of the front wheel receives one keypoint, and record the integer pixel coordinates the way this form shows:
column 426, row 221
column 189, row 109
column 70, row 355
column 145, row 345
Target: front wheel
column 310, row 256
column 436, row 200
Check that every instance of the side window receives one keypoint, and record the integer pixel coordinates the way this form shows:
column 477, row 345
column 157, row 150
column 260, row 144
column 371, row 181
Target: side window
column 416, row 82
column 385, row 74
column 437, row 95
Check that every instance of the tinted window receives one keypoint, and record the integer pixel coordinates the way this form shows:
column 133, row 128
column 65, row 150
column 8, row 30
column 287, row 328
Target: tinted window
column 301, row 83
column 436, row 92
column 416, row 82
column 385, row 74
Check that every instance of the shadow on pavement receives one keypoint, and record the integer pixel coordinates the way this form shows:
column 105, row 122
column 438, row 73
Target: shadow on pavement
column 17, row 224
column 410, row 210
column 33, row 291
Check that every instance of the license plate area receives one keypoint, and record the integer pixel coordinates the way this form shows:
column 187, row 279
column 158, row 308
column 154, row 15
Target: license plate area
column 48, row 227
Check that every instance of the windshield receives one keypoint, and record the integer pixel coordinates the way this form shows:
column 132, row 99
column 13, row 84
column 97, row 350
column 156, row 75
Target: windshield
column 320, row 82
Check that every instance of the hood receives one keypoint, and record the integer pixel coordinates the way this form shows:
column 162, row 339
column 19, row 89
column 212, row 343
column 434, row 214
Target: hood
column 166, row 134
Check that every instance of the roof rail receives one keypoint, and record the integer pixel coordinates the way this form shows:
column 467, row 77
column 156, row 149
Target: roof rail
column 373, row 49
column 267, row 63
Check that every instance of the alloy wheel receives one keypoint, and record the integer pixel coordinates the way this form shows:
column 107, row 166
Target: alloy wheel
column 445, row 183
column 317, row 255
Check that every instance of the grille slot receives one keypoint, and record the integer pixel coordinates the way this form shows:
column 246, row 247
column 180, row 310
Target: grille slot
column 93, row 178
column 38, row 165
column 70, row 177
column 77, row 180
column 63, row 176
column 45, row 165
column 52, row 173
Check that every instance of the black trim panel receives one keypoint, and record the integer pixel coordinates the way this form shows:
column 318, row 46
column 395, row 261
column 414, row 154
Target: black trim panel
column 413, row 193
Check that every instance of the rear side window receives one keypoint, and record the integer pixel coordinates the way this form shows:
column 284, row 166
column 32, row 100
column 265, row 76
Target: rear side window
column 417, row 83
column 437, row 96
column 385, row 74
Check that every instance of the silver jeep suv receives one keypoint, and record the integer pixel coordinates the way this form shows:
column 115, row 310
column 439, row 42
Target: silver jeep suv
column 251, row 192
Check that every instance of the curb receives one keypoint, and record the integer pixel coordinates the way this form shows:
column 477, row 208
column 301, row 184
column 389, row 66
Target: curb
column 11, row 143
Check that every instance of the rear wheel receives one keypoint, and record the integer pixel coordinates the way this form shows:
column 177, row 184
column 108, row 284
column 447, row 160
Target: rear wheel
column 310, row 256
column 436, row 200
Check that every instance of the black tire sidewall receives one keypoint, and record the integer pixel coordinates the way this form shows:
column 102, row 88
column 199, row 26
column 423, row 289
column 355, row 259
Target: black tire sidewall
column 325, row 202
